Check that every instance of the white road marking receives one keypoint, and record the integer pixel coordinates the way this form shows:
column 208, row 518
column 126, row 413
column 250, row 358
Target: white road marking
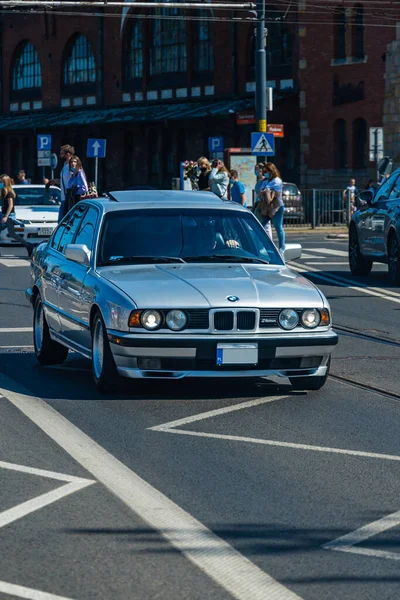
column 384, row 294
column 20, row 591
column 14, row 262
column 328, row 251
column 15, row 329
column 327, row 264
column 34, row 504
column 327, row 449
column 305, row 255
column 19, row 346
column 215, row 413
column 42, row 472
column 346, row 543
column 214, row 556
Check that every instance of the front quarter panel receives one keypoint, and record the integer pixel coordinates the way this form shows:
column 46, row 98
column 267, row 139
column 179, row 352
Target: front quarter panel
column 114, row 305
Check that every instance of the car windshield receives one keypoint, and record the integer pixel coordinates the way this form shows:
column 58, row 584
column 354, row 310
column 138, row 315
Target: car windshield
column 39, row 196
column 289, row 189
column 184, row 235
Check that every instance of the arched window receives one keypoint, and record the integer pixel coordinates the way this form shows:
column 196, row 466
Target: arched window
column 340, row 33
column 133, row 52
column 168, row 44
column 357, row 32
column 359, row 144
column 203, row 45
column 79, row 64
column 26, row 71
column 340, row 144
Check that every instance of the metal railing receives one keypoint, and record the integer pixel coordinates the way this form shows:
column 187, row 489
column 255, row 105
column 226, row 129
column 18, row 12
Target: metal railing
column 318, row 208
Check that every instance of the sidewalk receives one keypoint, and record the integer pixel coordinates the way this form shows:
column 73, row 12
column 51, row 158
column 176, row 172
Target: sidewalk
column 329, row 232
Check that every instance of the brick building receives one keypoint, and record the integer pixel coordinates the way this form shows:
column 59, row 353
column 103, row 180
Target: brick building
column 157, row 88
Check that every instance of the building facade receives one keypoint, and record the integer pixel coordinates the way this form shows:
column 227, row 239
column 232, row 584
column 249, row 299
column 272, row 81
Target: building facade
column 157, row 85
column 156, row 88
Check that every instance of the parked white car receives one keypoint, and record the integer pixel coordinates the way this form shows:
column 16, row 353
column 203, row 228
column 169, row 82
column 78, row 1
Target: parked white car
column 36, row 209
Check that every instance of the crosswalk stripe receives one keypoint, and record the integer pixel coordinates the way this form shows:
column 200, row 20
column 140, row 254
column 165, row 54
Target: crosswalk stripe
column 328, row 251
column 14, row 262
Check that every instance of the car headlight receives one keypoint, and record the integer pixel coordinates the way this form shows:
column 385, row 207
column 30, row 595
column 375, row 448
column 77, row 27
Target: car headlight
column 288, row 318
column 310, row 318
column 151, row 319
column 176, row 319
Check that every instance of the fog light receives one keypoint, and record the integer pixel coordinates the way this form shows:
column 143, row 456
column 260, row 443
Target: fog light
column 149, row 364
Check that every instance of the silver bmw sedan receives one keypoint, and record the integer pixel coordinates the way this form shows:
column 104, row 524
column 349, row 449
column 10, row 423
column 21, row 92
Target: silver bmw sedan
column 169, row 284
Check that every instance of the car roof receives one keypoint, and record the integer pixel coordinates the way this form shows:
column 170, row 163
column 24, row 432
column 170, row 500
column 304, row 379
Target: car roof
column 28, row 186
column 135, row 199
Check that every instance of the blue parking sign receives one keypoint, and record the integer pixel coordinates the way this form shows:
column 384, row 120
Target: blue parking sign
column 44, row 141
column 215, row 144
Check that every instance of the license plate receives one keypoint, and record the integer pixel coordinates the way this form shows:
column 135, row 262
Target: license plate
column 45, row 231
column 237, row 354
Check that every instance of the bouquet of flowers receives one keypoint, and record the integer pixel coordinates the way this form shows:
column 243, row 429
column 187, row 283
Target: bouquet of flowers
column 191, row 170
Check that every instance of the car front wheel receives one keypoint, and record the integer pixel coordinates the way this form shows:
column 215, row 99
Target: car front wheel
column 104, row 371
column 394, row 260
column 47, row 351
column 358, row 264
column 310, row 383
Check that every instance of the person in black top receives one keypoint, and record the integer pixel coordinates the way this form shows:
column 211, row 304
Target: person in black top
column 7, row 214
column 205, row 170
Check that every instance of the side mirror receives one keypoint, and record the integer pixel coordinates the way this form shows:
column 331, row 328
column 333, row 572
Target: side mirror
column 292, row 252
column 78, row 253
column 366, row 197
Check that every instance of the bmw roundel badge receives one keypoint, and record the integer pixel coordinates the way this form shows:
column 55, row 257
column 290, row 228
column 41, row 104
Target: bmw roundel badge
column 232, row 298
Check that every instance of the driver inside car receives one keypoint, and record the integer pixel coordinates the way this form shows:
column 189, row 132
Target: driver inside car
column 205, row 238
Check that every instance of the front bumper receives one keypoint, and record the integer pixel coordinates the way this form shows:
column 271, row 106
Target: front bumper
column 283, row 355
column 31, row 233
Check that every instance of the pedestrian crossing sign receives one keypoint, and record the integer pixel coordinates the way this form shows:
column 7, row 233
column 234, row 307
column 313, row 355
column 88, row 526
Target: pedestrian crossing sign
column 263, row 144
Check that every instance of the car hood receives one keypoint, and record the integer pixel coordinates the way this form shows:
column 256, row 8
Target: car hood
column 205, row 286
column 37, row 213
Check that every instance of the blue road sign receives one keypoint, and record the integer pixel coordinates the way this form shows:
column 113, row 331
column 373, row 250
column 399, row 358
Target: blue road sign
column 96, row 148
column 215, row 144
column 263, row 144
column 44, row 141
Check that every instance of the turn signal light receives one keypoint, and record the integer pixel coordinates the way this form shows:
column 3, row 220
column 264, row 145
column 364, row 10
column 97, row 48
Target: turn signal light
column 134, row 319
column 325, row 320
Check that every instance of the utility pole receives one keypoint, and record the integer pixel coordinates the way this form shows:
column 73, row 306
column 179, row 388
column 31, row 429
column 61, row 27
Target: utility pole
column 261, row 69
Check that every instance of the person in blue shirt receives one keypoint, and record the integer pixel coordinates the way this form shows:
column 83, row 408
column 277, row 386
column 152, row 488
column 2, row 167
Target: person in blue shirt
column 22, row 178
column 237, row 188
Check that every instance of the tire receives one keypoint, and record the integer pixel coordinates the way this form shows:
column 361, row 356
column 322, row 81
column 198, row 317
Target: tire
column 310, row 383
column 47, row 351
column 358, row 264
column 394, row 260
column 104, row 371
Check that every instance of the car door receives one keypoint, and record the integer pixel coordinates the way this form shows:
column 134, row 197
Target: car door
column 74, row 300
column 372, row 219
column 51, row 277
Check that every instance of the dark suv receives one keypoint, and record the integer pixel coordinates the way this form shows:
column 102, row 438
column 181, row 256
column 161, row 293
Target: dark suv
column 375, row 230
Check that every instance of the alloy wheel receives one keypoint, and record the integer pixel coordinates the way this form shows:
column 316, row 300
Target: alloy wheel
column 98, row 349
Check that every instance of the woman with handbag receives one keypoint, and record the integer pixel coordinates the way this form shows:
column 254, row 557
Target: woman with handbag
column 273, row 182
column 77, row 183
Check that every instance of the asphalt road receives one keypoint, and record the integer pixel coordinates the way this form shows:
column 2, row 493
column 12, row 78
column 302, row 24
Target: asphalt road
column 205, row 490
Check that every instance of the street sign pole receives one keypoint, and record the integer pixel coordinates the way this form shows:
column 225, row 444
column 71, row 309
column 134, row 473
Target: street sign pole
column 261, row 69
column 96, row 170
column 376, row 153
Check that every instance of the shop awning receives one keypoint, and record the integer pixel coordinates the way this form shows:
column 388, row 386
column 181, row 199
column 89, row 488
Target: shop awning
column 123, row 114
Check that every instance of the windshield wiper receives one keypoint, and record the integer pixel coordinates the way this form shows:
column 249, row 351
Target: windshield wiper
column 226, row 258
column 144, row 259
